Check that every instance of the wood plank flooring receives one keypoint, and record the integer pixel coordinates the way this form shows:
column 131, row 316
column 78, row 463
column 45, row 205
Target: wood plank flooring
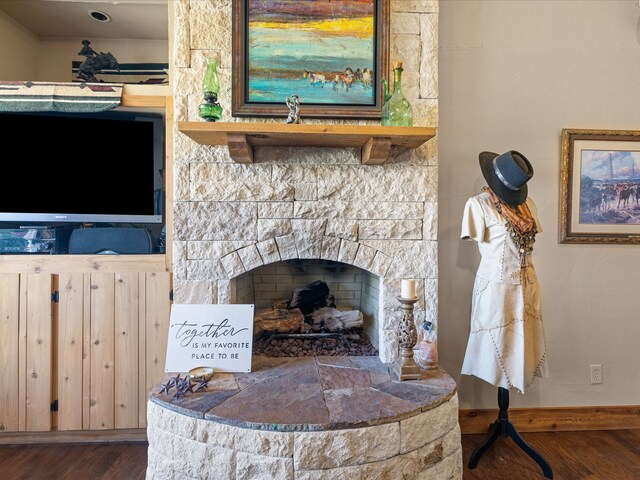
column 87, row 461
column 590, row 455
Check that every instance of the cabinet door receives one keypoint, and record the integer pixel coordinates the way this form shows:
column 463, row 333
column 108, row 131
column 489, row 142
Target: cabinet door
column 35, row 306
column 70, row 350
column 101, row 353
column 9, row 351
column 25, row 352
column 112, row 327
column 127, row 372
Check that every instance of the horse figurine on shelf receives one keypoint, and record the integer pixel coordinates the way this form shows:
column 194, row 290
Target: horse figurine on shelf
column 95, row 64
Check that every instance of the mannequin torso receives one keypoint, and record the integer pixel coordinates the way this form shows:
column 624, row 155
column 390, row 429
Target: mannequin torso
column 506, row 345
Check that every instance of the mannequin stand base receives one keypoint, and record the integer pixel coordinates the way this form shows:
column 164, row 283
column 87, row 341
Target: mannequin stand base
column 502, row 427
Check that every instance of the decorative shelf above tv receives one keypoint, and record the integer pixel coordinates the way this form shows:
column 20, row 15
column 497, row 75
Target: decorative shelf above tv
column 240, row 137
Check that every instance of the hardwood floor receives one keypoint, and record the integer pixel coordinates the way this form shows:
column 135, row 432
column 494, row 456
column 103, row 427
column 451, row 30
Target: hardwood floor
column 590, row 455
column 87, row 461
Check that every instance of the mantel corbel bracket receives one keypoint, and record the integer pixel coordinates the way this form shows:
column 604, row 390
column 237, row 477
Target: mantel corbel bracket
column 375, row 151
column 240, row 148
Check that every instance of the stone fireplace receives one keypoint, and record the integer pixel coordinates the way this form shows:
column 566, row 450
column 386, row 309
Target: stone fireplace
column 300, row 212
column 297, row 203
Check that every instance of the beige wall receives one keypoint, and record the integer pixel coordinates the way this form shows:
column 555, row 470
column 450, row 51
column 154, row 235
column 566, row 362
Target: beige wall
column 512, row 75
column 18, row 50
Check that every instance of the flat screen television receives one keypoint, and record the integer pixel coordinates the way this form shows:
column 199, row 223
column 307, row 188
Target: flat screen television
column 98, row 168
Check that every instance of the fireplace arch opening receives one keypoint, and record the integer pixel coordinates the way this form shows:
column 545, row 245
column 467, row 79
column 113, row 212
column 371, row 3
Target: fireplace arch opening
column 312, row 307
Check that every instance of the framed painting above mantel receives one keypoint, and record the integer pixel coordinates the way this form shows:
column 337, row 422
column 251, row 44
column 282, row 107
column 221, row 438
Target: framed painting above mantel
column 333, row 54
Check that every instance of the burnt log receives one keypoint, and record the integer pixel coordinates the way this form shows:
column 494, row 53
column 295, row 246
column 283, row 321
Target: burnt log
column 311, row 297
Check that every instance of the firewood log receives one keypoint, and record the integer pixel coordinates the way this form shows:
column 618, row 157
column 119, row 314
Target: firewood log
column 334, row 320
column 312, row 296
column 280, row 321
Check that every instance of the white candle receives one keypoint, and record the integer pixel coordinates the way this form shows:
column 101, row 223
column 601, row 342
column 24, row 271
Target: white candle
column 408, row 289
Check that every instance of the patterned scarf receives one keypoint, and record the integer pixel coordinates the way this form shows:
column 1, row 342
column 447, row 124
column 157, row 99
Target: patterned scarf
column 519, row 223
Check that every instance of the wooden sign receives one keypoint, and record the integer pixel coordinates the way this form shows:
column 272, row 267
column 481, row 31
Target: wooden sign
column 218, row 336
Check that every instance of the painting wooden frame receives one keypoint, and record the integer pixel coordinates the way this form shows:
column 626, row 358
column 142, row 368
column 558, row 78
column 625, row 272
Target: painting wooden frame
column 600, row 186
column 248, row 101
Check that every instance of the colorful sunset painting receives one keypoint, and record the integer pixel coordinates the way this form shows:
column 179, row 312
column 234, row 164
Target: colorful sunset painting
column 322, row 50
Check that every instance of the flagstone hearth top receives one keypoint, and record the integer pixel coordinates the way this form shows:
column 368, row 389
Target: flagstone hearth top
column 311, row 394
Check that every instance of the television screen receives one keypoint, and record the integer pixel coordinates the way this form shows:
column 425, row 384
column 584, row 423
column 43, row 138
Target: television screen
column 82, row 168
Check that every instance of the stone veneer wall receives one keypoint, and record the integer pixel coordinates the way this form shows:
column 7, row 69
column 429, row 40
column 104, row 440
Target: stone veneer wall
column 304, row 202
column 185, row 447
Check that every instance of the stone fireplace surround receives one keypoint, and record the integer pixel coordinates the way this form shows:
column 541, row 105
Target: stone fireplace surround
column 305, row 203
column 216, row 242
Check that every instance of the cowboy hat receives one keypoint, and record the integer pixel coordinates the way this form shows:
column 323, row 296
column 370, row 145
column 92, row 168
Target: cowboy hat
column 507, row 175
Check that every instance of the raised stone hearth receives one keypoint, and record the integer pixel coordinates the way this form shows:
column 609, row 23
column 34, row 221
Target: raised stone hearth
column 308, row 418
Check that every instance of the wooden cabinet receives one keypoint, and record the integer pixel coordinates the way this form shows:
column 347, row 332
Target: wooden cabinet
column 83, row 337
column 92, row 341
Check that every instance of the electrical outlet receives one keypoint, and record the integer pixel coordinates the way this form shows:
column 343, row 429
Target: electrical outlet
column 596, row 374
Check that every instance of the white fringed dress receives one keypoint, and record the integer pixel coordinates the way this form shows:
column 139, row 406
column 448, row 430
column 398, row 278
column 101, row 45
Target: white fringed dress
column 506, row 345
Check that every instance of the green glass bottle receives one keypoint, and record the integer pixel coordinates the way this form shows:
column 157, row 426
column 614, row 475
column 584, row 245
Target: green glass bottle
column 396, row 112
column 210, row 109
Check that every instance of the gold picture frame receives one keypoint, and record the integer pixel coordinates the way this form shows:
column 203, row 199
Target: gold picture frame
column 332, row 54
column 600, row 186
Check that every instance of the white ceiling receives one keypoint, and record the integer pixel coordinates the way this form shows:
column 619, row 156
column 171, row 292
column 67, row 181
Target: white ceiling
column 130, row 19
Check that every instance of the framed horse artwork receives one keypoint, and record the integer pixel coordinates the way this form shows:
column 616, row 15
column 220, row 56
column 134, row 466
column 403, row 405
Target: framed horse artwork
column 600, row 186
column 333, row 54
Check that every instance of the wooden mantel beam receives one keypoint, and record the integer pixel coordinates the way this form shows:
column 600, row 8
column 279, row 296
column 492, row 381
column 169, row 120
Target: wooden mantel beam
column 375, row 141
